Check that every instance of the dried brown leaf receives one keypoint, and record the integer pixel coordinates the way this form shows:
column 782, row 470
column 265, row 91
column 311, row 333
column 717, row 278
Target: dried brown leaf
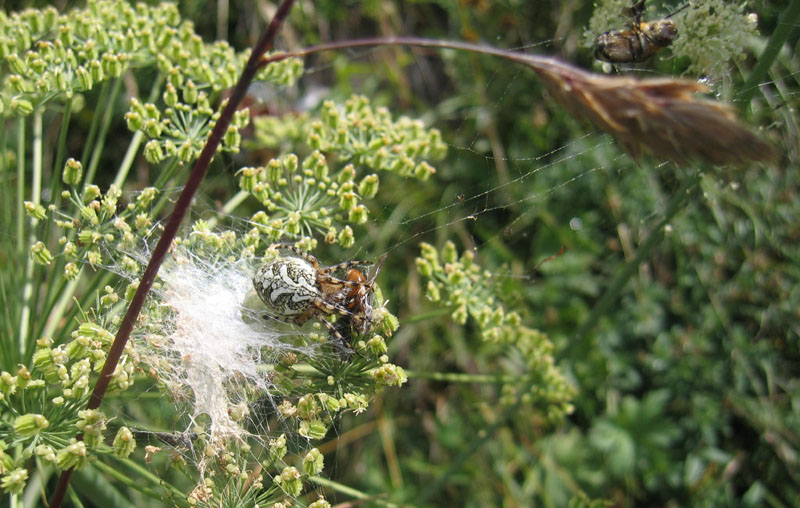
column 665, row 117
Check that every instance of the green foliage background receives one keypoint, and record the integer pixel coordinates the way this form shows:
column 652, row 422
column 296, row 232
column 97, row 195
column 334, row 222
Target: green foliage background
column 685, row 374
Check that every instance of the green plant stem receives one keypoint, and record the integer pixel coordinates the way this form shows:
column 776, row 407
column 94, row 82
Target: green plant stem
column 234, row 202
column 36, row 194
column 73, row 496
column 131, row 482
column 127, row 161
column 444, row 311
column 136, row 140
column 36, row 484
column 230, row 206
column 54, row 317
column 787, row 22
column 108, row 114
column 357, row 494
column 55, row 184
column 145, row 473
column 20, row 185
column 5, row 197
column 55, row 198
column 459, row 377
column 34, row 275
column 89, row 142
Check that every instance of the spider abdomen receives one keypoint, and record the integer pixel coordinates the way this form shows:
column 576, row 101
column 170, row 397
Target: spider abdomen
column 287, row 286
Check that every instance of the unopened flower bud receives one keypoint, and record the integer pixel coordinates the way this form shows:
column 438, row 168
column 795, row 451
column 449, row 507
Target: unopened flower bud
column 232, row 139
column 358, row 214
column 14, row 481
column 124, row 443
column 346, row 237
column 35, row 210
column 73, row 172
column 314, row 429
column 289, row 481
column 368, row 187
column 40, row 254
column 30, row 424
column 313, row 462
column 72, row 455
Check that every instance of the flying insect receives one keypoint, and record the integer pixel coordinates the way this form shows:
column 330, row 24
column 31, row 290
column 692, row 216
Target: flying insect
column 637, row 43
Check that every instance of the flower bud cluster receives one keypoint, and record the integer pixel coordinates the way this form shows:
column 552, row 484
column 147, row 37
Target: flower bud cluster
column 97, row 225
column 49, row 55
column 458, row 282
column 302, row 199
column 720, row 33
column 364, row 136
column 367, row 136
column 49, row 399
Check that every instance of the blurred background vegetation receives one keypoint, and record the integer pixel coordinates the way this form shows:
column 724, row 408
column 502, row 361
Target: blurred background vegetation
column 686, row 383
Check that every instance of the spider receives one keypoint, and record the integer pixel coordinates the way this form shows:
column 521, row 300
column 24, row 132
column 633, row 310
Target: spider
column 296, row 289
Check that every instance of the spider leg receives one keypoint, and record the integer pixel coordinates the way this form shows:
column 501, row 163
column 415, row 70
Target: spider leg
column 332, row 329
column 330, row 284
column 378, row 266
column 297, row 320
column 347, row 345
column 329, row 307
column 343, row 266
column 305, row 255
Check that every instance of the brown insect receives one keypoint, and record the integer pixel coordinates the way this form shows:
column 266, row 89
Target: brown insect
column 637, row 43
column 358, row 303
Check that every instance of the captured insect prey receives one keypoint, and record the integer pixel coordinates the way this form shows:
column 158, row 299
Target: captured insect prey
column 359, row 318
column 296, row 289
column 637, row 43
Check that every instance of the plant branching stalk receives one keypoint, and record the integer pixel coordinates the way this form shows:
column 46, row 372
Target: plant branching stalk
column 89, row 142
column 20, row 184
column 136, row 141
column 36, row 193
column 127, row 161
column 199, row 170
column 101, row 138
column 460, row 377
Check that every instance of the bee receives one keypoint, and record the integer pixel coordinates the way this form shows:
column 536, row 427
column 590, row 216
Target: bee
column 637, row 43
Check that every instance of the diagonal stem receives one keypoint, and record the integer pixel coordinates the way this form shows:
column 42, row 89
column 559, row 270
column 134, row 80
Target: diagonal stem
column 173, row 223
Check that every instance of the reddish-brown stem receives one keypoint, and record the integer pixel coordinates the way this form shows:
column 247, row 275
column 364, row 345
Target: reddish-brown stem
column 173, row 223
column 533, row 60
